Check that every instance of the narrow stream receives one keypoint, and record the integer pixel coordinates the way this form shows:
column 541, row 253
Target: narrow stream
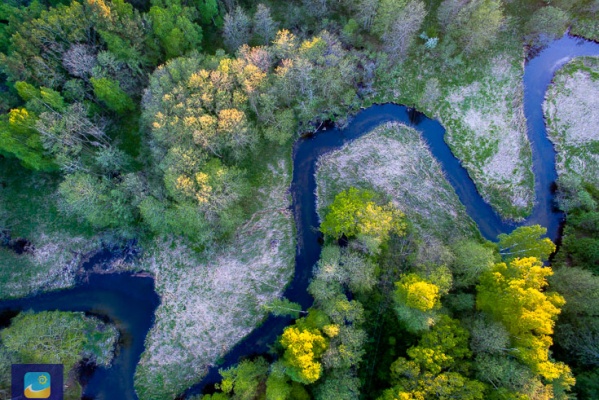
column 130, row 301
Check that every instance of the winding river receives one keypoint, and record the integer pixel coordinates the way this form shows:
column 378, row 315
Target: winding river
column 129, row 301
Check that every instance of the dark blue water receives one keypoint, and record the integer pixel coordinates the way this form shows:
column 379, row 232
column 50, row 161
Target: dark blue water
column 130, row 302
column 125, row 300
column 537, row 75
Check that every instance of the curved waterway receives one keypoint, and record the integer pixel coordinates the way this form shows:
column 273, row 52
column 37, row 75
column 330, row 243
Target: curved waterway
column 130, row 301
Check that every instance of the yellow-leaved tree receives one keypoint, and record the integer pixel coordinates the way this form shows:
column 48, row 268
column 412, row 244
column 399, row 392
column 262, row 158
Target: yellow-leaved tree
column 417, row 293
column 303, row 350
column 513, row 294
column 416, row 302
column 354, row 213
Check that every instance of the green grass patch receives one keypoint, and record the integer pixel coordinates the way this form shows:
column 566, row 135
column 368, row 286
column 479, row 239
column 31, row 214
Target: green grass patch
column 28, row 209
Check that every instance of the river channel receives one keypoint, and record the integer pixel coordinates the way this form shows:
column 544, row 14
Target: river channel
column 130, row 301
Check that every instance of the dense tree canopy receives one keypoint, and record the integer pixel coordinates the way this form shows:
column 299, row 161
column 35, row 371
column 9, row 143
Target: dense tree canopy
column 161, row 119
column 513, row 294
column 354, row 213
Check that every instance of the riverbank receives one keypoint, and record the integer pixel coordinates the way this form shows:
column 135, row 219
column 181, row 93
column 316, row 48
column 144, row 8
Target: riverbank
column 479, row 100
column 570, row 108
column 395, row 161
column 211, row 300
column 56, row 245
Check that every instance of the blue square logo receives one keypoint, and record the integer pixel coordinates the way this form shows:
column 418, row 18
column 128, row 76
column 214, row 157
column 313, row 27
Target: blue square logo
column 37, row 381
column 37, row 385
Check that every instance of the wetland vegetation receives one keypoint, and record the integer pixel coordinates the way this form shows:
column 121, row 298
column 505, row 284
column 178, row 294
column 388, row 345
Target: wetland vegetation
column 172, row 126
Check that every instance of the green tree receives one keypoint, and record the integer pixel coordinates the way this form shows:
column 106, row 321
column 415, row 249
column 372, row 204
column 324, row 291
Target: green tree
column 54, row 337
column 474, row 24
column 264, row 27
column 38, row 46
column 587, row 384
column 236, row 29
column 19, row 138
column 282, row 307
column 280, row 127
column 471, row 259
column 100, row 201
column 547, row 23
column 416, row 301
column 243, row 381
column 337, row 385
column 353, row 212
column 123, row 30
column 433, row 369
column 71, row 136
column 402, row 30
column 577, row 330
column 111, row 94
column 176, row 32
column 209, row 12
column 347, row 267
column 572, row 194
column 509, row 378
column 488, row 336
column 526, row 241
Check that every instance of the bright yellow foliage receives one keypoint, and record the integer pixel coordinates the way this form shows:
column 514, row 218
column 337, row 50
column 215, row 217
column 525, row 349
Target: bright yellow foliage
column 19, row 117
column 303, row 347
column 231, row 120
column 331, row 330
column 417, row 293
column 379, row 221
column 100, row 7
column 512, row 293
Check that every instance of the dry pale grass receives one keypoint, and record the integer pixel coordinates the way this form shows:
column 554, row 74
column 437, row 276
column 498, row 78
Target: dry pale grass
column 210, row 301
column 395, row 161
column 572, row 115
column 486, row 130
column 52, row 266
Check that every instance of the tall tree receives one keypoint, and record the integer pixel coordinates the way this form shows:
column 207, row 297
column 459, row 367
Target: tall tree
column 471, row 259
column 264, row 27
column 176, row 32
column 513, row 295
column 547, row 23
column 476, row 24
column 416, row 301
column 526, row 241
column 434, row 365
column 353, row 212
column 303, row 349
column 243, row 381
column 111, row 94
column 402, row 31
column 19, row 138
column 236, row 29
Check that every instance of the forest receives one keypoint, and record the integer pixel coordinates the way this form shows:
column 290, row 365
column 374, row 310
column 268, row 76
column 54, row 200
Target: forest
column 166, row 129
